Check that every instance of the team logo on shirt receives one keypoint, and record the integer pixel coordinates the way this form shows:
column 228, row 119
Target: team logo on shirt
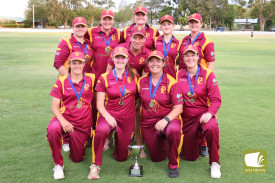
column 173, row 45
column 113, row 37
column 215, row 82
column 199, row 80
column 179, row 96
column 86, row 86
column 147, row 34
column 141, row 60
column 129, row 80
column 163, row 89
column 57, row 53
column 55, row 85
column 196, row 44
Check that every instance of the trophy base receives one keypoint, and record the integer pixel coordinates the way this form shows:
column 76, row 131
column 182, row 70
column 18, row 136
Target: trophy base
column 135, row 172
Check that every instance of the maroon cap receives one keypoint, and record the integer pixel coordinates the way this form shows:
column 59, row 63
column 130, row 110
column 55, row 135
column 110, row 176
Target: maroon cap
column 190, row 48
column 77, row 56
column 168, row 18
column 140, row 9
column 107, row 13
column 196, row 17
column 120, row 51
column 155, row 53
column 138, row 30
column 79, row 20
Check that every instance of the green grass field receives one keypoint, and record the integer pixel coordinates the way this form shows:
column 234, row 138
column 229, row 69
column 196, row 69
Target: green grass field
column 245, row 69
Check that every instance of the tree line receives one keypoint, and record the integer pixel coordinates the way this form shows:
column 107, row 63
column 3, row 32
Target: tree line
column 215, row 12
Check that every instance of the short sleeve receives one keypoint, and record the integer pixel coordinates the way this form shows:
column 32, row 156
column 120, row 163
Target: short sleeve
column 62, row 54
column 57, row 90
column 176, row 95
column 209, row 53
column 100, row 85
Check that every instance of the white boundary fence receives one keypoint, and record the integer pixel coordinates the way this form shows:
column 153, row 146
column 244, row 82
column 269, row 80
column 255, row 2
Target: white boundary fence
column 174, row 32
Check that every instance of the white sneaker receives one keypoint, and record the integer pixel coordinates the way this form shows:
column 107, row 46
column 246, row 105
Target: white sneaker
column 58, row 172
column 66, row 147
column 215, row 170
column 94, row 171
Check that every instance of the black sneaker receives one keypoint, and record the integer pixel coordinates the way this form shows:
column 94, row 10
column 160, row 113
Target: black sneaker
column 173, row 173
column 204, row 151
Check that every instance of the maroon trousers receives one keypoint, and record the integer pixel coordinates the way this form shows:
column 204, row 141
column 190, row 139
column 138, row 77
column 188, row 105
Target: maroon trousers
column 77, row 142
column 161, row 144
column 193, row 131
column 123, row 137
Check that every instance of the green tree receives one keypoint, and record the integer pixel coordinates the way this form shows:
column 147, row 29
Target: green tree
column 262, row 9
column 40, row 13
column 229, row 14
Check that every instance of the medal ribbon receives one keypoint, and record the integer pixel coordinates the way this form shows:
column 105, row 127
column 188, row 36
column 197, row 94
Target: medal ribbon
column 189, row 81
column 124, row 83
column 76, row 94
column 85, row 51
column 193, row 40
column 165, row 51
column 155, row 90
column 107, row 43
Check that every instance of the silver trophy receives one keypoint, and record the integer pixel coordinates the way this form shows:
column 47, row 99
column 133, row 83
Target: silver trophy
column 136, row 169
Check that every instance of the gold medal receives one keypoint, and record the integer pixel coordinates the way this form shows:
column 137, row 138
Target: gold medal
column 86, row 58
column 192, row 100
column 79, row 105
column 107, row 50
column 121, row 102
column 151, row 105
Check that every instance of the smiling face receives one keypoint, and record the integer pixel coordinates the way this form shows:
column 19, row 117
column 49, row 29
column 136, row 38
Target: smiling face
column 137, row 41
column 140, row 18
column 120, row 61
column 107, row 22
column 79, row 30
column 195, row 26
column 167, row 27
column 191, row 59
column 76, row 66
column 156, row 65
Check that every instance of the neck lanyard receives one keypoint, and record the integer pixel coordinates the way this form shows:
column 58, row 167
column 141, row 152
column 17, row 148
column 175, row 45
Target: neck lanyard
column 85, row 51
column 193, row 40
column 71, row 83
column 165, row 51
column 189, row 81
column 122, row 93
column 107, row 43
column 155, row 90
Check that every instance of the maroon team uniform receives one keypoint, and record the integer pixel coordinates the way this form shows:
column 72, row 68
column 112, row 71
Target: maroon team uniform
column 169, row 141
column 124, row 115
column 206, row 92
column 81, row 118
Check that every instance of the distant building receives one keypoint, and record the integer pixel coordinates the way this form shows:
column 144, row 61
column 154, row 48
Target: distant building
column 246, row 21
column 18, row 20
column 245, row 24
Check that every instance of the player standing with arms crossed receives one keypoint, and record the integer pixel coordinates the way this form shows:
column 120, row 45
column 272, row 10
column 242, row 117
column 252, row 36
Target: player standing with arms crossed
column 168, row 44
column 140, row 17
column 71, row 105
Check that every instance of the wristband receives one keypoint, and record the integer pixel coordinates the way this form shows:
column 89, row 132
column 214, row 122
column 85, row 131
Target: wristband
column 167, row 119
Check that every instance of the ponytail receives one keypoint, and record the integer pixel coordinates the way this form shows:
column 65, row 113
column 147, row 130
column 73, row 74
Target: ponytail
column 132, row 73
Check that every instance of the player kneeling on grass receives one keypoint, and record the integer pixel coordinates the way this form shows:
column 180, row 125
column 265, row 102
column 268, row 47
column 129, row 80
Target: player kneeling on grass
column 116, row 90
column 199, row 88
column 71, row 105
column 161, row 102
